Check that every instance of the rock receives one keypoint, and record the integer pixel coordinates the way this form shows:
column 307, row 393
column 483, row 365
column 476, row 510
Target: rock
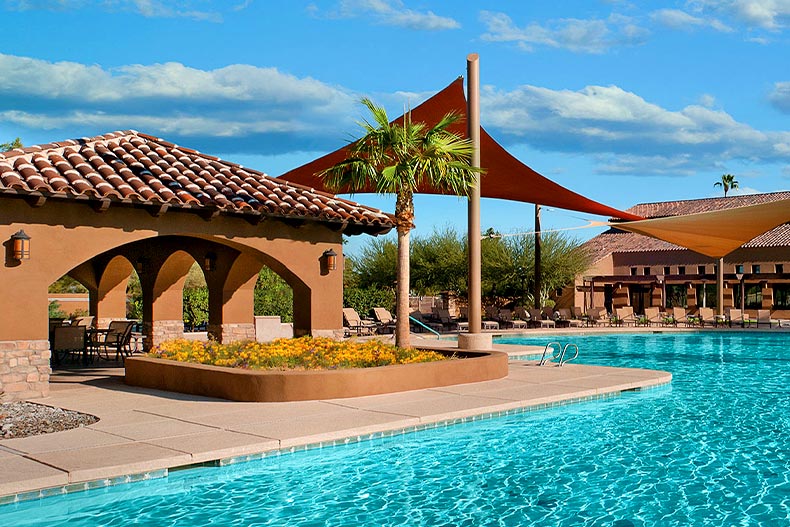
column 24, row 419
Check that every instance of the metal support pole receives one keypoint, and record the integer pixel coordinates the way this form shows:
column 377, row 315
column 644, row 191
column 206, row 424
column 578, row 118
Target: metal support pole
column 720, row 287
column 475, row 259
column 538, row 273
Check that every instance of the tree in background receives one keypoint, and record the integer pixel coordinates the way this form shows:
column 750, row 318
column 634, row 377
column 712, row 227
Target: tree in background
column 16, row 143
column 727, row 182
column 439, row 264
column 396, row 158
column 273, row 296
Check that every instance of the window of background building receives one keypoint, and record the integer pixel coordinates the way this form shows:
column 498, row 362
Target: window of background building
column 708, row 292
column 681, row 269
column 739, row 269
column 756, row 269
column 754, row 296
column 667, row 270
column 782, row 296
column 700, row 269
column 780, row 268
column 646, row 271
column 676, row 295
column 633, row 271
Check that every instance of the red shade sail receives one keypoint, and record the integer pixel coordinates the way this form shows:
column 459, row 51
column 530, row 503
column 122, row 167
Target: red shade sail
column 505, row 177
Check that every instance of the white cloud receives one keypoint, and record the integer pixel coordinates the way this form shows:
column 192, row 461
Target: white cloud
column 773, row 15
column 394, row 13
column 677, row 19
column 246, row 109
column 627, row 130
column 237, row 101
column 581, row 36
column 780, row 96
column 146, row 8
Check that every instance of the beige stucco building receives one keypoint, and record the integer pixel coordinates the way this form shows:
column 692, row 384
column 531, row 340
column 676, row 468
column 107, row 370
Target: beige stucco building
column 629, row 269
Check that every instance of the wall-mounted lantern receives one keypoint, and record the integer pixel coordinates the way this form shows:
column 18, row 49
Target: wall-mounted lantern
column 210, row 262
column 20, row 245
column 330, row 260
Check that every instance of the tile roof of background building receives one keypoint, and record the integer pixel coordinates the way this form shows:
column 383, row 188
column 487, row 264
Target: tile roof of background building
column 131, row 167
column 617, row 241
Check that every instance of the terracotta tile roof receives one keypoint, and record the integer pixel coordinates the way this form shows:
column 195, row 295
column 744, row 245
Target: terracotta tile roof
column 693, row 206
column 617, row 241
column 131, row 167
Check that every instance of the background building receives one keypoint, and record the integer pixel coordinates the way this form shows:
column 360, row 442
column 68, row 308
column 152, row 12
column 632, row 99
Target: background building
column 633, row 270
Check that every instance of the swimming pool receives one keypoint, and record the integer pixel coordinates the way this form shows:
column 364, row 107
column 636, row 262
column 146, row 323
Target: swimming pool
column 711, row 450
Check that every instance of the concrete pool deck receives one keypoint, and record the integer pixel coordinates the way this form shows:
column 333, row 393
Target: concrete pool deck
column 143, row 432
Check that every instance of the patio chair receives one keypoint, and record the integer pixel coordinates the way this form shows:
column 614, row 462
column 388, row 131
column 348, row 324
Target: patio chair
column 117, row 337
column 353, row 322
column 384, row 319
column 734, row 316
column 566, row 318
column 69, row 341
column 83, row 321
column 764, row 317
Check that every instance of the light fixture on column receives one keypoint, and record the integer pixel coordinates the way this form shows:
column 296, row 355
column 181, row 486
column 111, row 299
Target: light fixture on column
column 330, row 260
column 20, row 245
column 210, row 262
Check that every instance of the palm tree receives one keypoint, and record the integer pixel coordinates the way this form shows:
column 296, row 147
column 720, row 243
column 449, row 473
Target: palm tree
column 397, row 158
column 727, row 182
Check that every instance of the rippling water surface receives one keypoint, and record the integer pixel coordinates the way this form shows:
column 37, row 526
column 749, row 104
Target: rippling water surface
column 711, row 450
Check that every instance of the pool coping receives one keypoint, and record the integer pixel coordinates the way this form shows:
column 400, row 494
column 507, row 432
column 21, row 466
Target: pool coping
column 64, row 458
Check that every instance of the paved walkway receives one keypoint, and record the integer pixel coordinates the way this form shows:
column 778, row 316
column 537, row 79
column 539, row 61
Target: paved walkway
column 142, row 430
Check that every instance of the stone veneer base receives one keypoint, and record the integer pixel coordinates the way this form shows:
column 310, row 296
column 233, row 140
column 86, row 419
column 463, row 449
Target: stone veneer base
column 24, row 369
column 280, row 386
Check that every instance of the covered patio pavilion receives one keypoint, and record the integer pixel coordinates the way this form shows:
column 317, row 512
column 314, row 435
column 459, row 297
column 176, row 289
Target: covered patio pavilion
column 99, row 209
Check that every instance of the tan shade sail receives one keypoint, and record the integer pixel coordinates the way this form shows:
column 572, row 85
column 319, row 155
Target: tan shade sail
column 505, row 177
column 716, row 233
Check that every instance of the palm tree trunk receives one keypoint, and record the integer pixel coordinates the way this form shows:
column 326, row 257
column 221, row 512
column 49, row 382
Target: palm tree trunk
column 402, row 333
column 404, row 223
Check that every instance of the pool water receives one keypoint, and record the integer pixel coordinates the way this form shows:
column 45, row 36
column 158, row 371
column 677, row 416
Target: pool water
column 712, row 449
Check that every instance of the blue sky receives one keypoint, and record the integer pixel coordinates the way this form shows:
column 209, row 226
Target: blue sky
column 625, row 102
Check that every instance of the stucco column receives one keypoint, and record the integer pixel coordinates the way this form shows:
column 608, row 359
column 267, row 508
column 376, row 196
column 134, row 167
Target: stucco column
column 474, row 339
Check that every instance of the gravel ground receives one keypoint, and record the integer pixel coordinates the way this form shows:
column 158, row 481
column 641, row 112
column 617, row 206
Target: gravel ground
column 23, row 419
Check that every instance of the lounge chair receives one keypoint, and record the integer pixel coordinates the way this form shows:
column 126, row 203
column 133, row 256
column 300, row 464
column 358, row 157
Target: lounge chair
column 536, row 319
column 652, row 316
column 625, row 316
column 734, row 316
column 507, row 320
column 680, row 316
column 449, row 323
column 706, row 316
column 384, row 319
column 422, row 322
column 597, row 316
column 764, row 317
column 566, row 318
column 353, row 322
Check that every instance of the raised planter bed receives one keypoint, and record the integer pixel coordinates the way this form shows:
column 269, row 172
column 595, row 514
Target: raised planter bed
column 280, row 386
